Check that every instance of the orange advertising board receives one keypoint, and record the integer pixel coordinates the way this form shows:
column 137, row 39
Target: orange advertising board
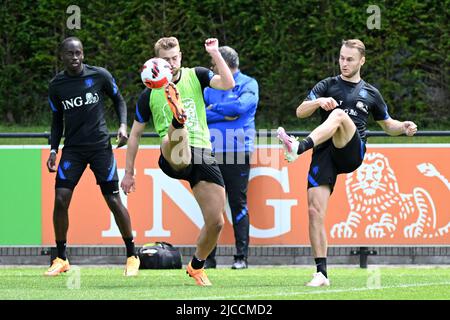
column 400, row 195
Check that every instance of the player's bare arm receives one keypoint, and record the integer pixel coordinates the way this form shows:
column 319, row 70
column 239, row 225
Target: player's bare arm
column 128, row 182
column 394, row 127
column 224, row 79
column 307, row 107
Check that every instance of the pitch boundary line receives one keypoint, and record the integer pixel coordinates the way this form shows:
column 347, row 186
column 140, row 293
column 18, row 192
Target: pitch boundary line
column 286, row 294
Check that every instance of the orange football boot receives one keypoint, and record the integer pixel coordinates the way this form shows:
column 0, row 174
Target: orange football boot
column 58, row 266
column 174, row 101
column 199, row 276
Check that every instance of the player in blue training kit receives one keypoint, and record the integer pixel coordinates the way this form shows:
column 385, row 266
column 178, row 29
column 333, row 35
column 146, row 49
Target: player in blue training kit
column 76, row 98
column 339, row 143
column 231, row 121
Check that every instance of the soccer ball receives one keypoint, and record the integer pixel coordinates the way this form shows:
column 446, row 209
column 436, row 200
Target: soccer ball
column 156, row 73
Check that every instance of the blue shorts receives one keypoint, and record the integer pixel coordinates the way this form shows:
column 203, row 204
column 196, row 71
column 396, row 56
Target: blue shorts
column 328, row 161
column 74, row 161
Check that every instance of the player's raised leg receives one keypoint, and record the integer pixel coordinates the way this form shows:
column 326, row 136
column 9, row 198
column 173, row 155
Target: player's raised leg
column 175, row 145
column 339, row 127
column 175, row 148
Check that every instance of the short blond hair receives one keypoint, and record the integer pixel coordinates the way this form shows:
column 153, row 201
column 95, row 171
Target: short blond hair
column 355, row 43
column 166, row 43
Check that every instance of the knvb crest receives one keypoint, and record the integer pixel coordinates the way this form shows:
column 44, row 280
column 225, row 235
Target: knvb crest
column 89, row 82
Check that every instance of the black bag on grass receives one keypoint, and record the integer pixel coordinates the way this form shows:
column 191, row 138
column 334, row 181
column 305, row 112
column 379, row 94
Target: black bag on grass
column 159, row 255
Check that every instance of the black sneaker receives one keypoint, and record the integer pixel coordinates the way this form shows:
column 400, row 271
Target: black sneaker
column 239, row 264
column 210, row 263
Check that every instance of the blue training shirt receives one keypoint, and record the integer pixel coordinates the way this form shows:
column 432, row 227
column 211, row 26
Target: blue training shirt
column 242, row 101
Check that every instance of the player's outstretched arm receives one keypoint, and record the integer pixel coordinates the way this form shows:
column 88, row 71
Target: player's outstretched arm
column 394, row 127
column 224, row 79
column 128, row 182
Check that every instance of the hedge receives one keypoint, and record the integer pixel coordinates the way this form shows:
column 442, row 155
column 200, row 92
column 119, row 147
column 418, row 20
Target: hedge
column 287, row 46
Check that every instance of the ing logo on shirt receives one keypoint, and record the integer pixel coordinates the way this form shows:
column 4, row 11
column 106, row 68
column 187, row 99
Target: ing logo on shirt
column 351, row 112
column 72, row 103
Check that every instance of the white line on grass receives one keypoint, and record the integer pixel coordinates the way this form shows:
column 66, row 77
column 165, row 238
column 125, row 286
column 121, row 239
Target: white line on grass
column 286, row 294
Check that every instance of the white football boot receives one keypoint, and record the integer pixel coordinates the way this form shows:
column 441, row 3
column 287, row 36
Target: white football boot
column 318, row 280
column 290, row 145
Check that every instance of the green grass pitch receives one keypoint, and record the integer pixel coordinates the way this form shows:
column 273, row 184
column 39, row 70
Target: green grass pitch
column 255, row 283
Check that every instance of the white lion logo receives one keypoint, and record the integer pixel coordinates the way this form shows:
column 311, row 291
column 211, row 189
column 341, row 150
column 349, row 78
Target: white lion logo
column 379, row 210
column 91, row 98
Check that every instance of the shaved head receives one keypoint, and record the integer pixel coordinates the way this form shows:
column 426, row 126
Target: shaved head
column 67, row 40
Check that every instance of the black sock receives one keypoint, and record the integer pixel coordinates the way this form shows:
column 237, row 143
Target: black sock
column 305, row 144
column 176, row 124
column 61, row 248
column 129, row 243
column 321, row 264
column 196, row 263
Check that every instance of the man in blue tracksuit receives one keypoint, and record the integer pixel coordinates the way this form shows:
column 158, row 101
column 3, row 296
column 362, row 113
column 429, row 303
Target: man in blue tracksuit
column 231, row 121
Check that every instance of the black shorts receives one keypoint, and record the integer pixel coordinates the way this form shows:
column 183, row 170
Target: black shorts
column 203, row 167
column 73, row 162
column 328, row 161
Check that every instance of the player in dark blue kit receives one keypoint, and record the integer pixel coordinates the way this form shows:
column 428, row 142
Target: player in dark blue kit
column 345, row 102
column 76, row 98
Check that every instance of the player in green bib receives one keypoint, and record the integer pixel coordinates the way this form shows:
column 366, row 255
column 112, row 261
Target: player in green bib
column 185, row 142
column 191, row 94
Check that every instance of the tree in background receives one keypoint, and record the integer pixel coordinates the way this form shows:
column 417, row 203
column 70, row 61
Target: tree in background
column 287, row 46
